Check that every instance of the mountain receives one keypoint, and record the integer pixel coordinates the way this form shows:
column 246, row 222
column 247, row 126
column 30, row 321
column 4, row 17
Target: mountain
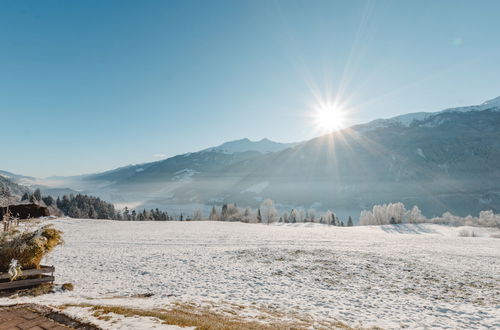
column 17, row 178
column 408, row 119
column 262, row 146
column 10, row 192
column 442, row 161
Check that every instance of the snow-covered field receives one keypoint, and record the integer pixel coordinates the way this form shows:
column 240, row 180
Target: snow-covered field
column 415, row 276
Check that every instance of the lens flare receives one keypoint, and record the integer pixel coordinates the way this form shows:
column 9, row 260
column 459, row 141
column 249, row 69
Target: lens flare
column 329, row 117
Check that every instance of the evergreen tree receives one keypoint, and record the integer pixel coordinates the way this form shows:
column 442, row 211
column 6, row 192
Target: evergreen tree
column 126, row 214
column 259, row 216
column 37, row 194
column 25, row 197
column 48, row 200
column 349, row 222
column 223, row 212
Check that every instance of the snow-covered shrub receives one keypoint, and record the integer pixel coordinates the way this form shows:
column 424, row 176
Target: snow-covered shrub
column 394, row 213
column 467, row 233
column 485, row 219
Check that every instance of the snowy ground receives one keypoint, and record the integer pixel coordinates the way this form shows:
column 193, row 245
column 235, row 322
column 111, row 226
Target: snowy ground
column 415, row 276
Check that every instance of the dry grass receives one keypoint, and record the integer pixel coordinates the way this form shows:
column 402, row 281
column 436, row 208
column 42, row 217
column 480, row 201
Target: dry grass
column 186, row 315
column 67, row 287
column 29, row 247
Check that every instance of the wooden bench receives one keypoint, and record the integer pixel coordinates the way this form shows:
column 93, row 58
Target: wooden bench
column 41, row 277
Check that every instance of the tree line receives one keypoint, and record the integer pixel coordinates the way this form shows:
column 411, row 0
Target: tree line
column 90, row 207
column 267, row 213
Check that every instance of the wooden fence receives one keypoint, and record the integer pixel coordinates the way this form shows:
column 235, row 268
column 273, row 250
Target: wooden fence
column 8, row 224
column 28, row 277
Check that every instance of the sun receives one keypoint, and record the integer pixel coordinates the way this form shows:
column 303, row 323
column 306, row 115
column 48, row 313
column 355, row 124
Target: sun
column 329, row 118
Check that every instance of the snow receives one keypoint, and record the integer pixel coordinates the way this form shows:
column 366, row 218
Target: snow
column 184, row 175
column 420, row 152
column 407, row 119
column 415, row 276
column 491, row 103
column 256, row 188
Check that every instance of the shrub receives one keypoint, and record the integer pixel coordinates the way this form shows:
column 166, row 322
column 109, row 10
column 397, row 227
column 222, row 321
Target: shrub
column 28, row 248
column 467, row 233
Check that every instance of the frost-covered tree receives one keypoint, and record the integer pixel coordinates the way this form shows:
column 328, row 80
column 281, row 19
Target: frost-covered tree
column 329, row 218
column 268, row 211
column 248, row 216
column 489, row 219
column 349, row 222
column 301, row 215
column 233, row 213
column 485, row 219
column 312, row 215
column 415, row 216
column 197, row 215
column 382, row 214
column 214, row 216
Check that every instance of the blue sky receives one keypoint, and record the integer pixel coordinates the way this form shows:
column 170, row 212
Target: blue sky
column 92, row 85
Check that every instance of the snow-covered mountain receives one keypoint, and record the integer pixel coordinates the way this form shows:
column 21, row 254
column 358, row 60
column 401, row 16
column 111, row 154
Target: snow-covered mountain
column 416, row 117
column 442, row 161
column 243, row 145
column 17, row 178
column 10, row 192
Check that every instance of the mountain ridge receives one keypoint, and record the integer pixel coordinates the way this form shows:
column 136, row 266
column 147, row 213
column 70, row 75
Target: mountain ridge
column 445, row 161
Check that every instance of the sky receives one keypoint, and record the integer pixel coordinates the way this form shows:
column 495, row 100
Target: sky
column 87, row 86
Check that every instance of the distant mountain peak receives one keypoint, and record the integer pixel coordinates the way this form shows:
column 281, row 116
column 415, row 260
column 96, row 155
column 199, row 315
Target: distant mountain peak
column 492, row 103
column 243, row 145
